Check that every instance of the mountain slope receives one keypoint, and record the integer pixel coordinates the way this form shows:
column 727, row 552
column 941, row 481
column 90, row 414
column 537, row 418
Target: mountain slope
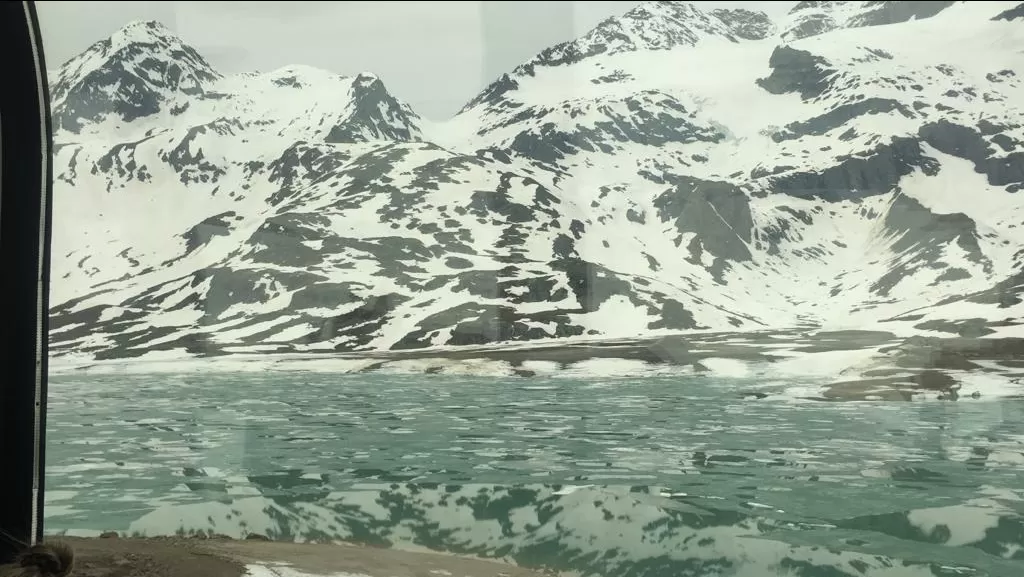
column 813, row 18
column 671, row 170
column 127, row 76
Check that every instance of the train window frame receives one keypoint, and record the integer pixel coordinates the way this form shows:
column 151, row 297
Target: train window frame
column 26, row 194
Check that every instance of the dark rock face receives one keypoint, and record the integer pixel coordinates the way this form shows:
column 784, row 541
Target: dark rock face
column 204, row 232
column 358, row 327
column 839, row 116
column 377, row 113
column 746, row 24
column 797, row 71
column 817, row 18
column 812, row 25
column 473, row 324
column 492, row 95
column 882, row 13
column 921, row 237
column 1015, row 13
column 1004, row 294
column 649, row 119
column 858, row 177
column 716, row 213
column 193, row 166
column 967, row 143
column 880, row 172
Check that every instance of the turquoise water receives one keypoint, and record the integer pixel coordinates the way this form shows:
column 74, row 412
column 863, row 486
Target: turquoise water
column 617, row 478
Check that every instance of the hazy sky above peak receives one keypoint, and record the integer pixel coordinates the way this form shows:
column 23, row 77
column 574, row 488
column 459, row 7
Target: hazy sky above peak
column 433, row 55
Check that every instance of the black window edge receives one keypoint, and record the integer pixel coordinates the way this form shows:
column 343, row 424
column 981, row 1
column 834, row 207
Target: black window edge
column 25, row 216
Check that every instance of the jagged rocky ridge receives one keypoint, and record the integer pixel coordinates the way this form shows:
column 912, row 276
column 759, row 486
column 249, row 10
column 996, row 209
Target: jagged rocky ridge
column 855, row 165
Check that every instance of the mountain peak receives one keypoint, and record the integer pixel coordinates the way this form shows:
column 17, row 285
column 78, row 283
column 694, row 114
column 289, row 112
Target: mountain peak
column 144, row 31
column 656, row 25
column 131, row 73
column 375, row 114
column 813, row 18
column 366, row 79
column 665, row 24
column 659, row 25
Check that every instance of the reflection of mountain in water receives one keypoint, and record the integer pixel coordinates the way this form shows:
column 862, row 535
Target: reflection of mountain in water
column 679, row 476
column 618, row 531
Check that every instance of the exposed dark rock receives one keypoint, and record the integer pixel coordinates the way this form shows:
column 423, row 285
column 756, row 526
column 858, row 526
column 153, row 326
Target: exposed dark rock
column 797, row 71
column 649, row 118
column 376, row 114
column 357, row 328
column 746, row 24
column 839, row 116
column 894, row 12
column 812, row 25
column 717, row 213
column 921, row 237
column 1015, row 13
column 968, row 143
column 858, row 177
column 817, row 18
column 969, row 328
column 204, row 232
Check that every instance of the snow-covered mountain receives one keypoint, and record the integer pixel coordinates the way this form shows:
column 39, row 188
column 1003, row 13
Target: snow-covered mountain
column 856, row 164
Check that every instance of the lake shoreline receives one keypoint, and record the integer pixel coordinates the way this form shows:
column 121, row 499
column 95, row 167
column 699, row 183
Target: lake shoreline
column 835, row 365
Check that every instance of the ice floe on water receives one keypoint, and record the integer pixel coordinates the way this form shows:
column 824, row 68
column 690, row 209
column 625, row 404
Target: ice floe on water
column 283, row 570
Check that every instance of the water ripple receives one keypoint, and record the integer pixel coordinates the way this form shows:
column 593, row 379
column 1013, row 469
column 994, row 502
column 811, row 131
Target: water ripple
column 657, row 477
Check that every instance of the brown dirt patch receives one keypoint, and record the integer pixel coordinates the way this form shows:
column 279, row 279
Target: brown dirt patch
column 149, row 558
column 184, row 557
column 334, row 558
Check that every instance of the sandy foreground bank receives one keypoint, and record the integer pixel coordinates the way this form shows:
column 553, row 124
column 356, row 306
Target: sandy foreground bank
column 176, row 557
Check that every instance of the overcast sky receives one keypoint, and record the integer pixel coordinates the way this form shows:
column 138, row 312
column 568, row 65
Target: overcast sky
column 435, row 55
